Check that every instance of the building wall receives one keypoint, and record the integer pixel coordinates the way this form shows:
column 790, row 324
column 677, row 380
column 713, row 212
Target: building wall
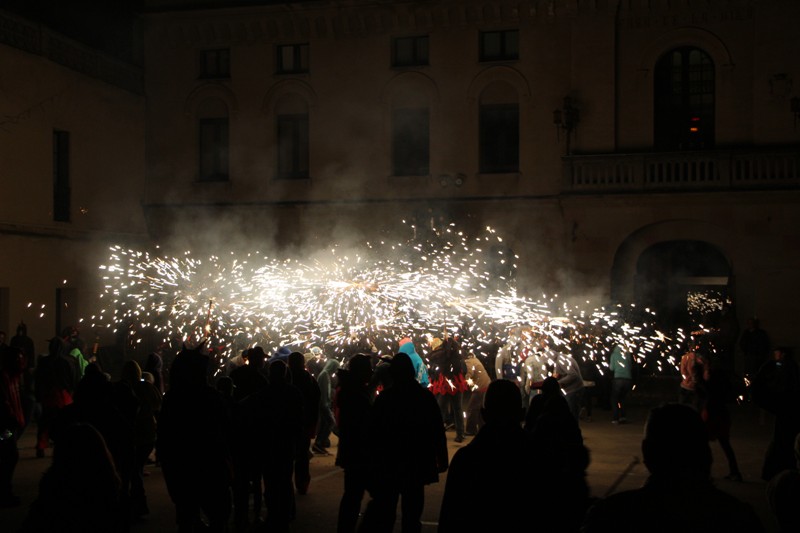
column 599, row 53
column 106, row 172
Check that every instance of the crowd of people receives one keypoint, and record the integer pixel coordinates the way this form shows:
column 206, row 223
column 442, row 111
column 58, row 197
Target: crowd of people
column 235, row 444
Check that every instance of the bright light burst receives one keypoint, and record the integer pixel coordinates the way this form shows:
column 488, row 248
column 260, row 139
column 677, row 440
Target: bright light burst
column 447, row 283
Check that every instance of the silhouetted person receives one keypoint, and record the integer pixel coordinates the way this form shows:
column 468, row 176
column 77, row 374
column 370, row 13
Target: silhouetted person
column 24, row 343
column 309, row 388
column 327, row 422
column 725, row 334
column 569, row 377
column 678, row 495
column 149, row 401
column 12, row 420
column 278, row 426
column 754, row 343
column 694, row 371
column 408, row 450
column 718, row 394
column 478, row 470
column 621, row 369
column 448, row 384
column 250, row 378
column 556, row 436
column 53, row 381
column 192, row 446
column 155, row 365
column 783, row 494
column 776, row 388
column 111, row 410
column 80, row 491
column 352, row 403
column 246, row 449
column 480, row 379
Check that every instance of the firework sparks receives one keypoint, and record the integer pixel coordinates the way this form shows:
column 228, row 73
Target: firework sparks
column 448, row 284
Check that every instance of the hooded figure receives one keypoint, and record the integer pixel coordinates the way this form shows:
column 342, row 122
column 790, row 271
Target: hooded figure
column 420, row 370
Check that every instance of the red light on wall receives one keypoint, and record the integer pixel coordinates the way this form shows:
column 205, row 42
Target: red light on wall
column 695, row 119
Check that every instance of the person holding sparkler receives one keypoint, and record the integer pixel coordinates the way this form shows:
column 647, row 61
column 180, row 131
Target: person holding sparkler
column 479, row 380
column 448, row 383
column 694, row 371
column 569, row 377
column 621, row 367
column 327, row 422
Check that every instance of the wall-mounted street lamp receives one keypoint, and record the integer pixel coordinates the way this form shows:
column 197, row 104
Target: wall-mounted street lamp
column 566, row 119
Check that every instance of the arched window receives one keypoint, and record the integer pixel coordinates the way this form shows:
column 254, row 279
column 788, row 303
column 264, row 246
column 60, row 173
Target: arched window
column 684, row 100
column 291, row 130
column 213, row 143
column 499, row 129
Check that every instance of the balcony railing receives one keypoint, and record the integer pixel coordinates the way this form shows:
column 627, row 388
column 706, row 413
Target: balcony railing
column 730, row 169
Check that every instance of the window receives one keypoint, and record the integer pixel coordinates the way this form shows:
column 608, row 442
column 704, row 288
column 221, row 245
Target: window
column 215, row 63
column 499, row 45
column 410, row 142
column 410, row 51
column 292, row 58
column 684, row 100
column 213, row 149
column 499, row 138
column 61, row 189
column 292, row 145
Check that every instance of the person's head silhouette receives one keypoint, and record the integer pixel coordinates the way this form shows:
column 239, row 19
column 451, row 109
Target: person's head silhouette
column 402, row 369
column 502, row 403
column 675, row 443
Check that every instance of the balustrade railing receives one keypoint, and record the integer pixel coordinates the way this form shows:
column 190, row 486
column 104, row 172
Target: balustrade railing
column 732, row 169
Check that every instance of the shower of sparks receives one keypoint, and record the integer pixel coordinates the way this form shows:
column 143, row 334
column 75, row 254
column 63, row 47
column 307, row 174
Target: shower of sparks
column 450, row 284
column 702, row 303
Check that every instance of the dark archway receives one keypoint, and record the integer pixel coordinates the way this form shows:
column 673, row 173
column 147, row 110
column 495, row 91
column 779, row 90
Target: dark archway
column 685, row 282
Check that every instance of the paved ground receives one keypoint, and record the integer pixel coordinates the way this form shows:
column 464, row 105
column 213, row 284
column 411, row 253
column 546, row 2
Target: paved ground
column 613, row 449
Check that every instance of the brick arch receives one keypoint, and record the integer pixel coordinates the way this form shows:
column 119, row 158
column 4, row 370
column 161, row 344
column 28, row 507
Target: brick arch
column 410, row 79
column 499, row 73
column 623, row 270
column 282, row 88
column 695, row 37
column 211, row 90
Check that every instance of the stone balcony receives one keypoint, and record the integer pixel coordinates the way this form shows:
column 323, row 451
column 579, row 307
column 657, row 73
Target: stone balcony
column 739, row 169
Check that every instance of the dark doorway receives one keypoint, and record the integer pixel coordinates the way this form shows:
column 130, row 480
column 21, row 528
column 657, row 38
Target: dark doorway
column 684, row 282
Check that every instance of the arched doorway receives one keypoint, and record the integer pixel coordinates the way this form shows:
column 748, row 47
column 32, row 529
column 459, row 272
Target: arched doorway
column 686, row 282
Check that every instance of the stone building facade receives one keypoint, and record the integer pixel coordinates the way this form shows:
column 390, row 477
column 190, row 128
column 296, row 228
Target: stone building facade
column 628, row 150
